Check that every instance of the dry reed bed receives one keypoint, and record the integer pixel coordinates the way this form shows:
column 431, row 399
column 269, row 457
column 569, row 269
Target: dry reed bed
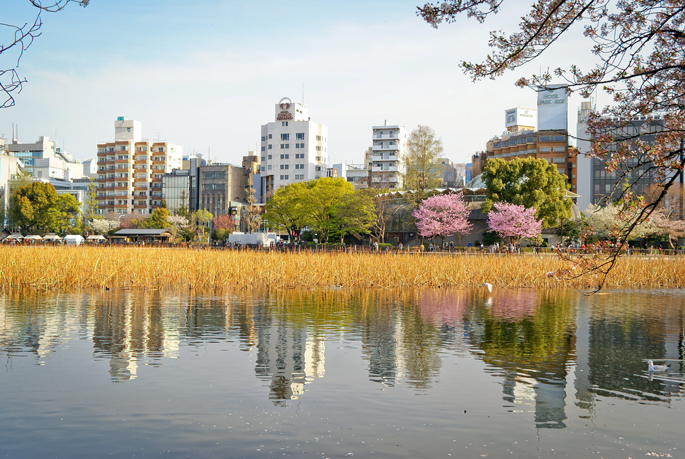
column 65, row 268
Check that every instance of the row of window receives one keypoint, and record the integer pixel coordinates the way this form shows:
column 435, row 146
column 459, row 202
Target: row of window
column 298, row 136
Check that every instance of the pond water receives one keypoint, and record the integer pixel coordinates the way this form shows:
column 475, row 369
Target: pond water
column 333, row 374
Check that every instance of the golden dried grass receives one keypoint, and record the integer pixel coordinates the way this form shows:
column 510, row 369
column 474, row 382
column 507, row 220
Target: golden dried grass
column 68, row 268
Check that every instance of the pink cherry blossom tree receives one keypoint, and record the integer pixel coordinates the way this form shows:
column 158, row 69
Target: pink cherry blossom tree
column 442, row 215
column 513, row 221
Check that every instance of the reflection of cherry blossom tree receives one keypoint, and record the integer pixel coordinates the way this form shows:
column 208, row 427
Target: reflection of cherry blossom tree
column 513, row 221
column 442, row 215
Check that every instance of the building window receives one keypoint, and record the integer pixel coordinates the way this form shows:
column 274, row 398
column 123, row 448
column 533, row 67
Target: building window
column 269, row 166
column 299, row 136
column 286, row 177
column 270, row 156
column 282, row 166
column 284, row 123
column 281, row 177
column 270, row 146
column 263, row 158
column 546, row 149
column 285, row 136
column 263, row 138
column 263, row 148
column 269, row 136
column 287, row 145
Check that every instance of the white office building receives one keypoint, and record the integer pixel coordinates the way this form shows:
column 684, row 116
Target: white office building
column 293, row 148
column 389, row 151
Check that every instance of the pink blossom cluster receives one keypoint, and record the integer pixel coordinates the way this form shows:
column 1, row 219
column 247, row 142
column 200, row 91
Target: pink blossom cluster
column 511, row 220
column 442, row 215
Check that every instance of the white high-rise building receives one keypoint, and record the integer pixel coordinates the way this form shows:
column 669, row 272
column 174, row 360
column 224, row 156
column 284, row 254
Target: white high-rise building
column 293, row 148
column 389, row 150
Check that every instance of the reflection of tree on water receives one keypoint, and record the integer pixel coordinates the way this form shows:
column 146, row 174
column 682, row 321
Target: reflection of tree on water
column 530, row 335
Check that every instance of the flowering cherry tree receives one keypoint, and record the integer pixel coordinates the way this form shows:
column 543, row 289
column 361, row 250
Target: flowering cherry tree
column 514, row 222
column 442, row 215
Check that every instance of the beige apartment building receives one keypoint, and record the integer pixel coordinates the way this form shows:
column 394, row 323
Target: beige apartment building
column 130, row 170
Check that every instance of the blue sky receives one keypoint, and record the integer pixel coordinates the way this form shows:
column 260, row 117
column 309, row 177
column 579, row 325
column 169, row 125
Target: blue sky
column 206, row 74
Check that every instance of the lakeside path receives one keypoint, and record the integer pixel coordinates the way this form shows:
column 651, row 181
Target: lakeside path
column 67, row 268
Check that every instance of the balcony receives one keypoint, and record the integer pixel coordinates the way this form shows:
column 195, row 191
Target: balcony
column 389, row 178
column 385, row 157
column 385, row 169
column 386, row 136
column 385, row 147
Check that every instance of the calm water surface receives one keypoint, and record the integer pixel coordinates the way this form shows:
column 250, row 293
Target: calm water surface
column 416, row 374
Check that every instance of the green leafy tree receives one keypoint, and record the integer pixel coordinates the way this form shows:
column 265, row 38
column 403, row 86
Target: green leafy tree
column 569, row 231
column 68, row 216
column 286, row 208
column 22, row 178
column 319, row 202
column 158, row 219
column 529, row 182
column 354, row 214
column 35, row 207
column 423, row 172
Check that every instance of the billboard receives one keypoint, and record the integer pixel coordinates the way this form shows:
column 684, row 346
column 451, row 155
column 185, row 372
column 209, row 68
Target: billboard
column 520, row 117
column 552, row 108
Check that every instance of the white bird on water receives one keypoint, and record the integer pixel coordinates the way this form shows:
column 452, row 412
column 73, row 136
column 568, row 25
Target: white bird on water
column 489, row 286
column 652, row 367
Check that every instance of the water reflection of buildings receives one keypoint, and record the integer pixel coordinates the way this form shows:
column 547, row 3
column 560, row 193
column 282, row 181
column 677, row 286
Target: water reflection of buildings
column 40, row 331
column 286, row 356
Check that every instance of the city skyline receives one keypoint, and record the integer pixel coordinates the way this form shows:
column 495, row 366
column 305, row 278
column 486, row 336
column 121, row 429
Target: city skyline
column 206, row 76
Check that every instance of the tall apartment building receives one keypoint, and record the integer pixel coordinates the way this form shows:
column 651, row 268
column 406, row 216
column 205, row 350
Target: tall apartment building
column 389, row 149
column 595, row 184
column 130, row 170
column 293, row 148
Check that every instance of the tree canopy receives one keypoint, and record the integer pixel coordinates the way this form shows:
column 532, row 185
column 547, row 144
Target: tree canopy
column 424, row 149
column 514, row 221
column 442, row 215
column 327, row 206
column 530, row 182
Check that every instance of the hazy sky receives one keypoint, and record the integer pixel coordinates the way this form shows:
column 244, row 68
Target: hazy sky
column 206, row 74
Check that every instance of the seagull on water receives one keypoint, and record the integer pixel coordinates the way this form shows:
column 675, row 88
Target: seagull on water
column 489, row 286
column 653, row 367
